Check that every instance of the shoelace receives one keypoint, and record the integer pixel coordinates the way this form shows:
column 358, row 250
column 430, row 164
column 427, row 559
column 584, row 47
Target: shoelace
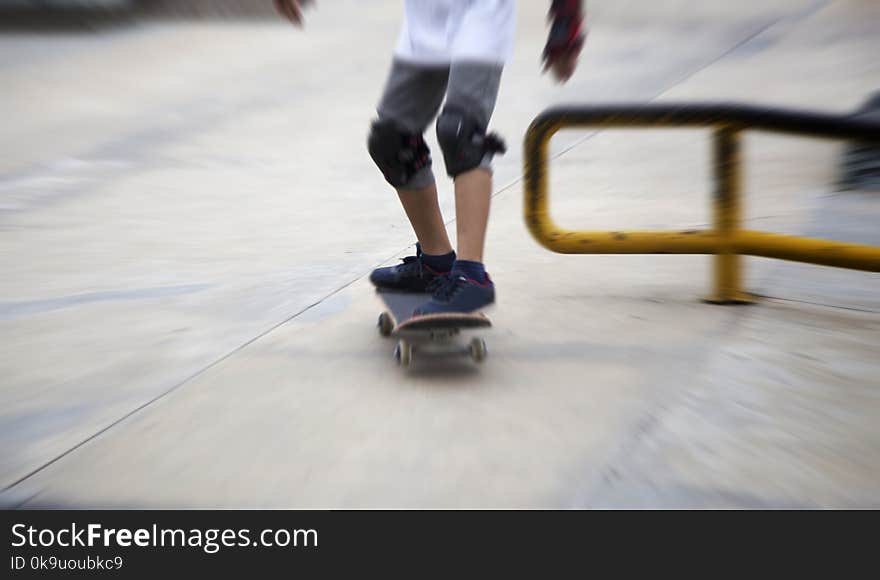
column 447, row 287
column 417, row 258
column 410, row 263
column 436, row 283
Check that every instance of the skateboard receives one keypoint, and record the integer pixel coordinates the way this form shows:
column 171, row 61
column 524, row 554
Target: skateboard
column 431, row 333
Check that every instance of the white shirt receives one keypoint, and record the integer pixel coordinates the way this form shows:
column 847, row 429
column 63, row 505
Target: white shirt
column 440, row 31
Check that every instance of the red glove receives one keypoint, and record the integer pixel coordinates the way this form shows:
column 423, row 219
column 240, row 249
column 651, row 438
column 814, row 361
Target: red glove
column 292, row 9
column 566, row 31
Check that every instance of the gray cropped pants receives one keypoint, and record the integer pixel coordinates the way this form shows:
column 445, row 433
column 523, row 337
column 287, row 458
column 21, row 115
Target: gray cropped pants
column 414, row 93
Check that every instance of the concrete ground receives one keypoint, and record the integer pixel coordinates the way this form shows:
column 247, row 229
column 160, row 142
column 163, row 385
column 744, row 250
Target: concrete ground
column 188, row 214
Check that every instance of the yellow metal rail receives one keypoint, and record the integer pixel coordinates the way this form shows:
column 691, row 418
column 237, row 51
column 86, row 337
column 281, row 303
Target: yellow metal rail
column 726, row 240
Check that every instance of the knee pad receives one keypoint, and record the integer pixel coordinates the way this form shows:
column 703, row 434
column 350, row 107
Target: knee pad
column 398, row 154
column 464, row 141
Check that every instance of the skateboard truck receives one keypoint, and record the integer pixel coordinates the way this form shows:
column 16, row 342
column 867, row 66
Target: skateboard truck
column 403, row 352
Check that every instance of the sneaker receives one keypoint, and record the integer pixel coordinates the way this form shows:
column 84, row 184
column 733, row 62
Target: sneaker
column 458, row 294
column 410, row 276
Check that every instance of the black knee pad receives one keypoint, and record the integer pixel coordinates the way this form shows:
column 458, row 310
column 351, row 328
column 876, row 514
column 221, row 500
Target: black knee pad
column 398, row 154
column 464, row 141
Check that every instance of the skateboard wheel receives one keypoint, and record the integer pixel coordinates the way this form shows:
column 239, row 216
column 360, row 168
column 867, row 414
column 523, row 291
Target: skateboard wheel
column 403, row 353
column 386, row 325
column 478, row 349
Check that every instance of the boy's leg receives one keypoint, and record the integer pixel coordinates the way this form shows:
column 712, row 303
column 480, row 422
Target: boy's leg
column 423, row 211
column 473, row 88
column 473, row 193
column 468, row 152
column 411, row 99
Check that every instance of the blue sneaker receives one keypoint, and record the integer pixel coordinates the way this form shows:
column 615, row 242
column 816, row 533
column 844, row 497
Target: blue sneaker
column 458, row 294
column 411, row 276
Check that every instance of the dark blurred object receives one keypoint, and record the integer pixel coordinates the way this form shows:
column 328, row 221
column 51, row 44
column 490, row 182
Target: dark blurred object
column 860, row 165
column 65, row 15
column 208, row 9
column 91, row 14
column 50, row 5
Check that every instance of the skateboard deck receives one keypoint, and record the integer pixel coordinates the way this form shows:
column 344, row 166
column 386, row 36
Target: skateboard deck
column 432, row 333
column 399, row 306
column 428, row 323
